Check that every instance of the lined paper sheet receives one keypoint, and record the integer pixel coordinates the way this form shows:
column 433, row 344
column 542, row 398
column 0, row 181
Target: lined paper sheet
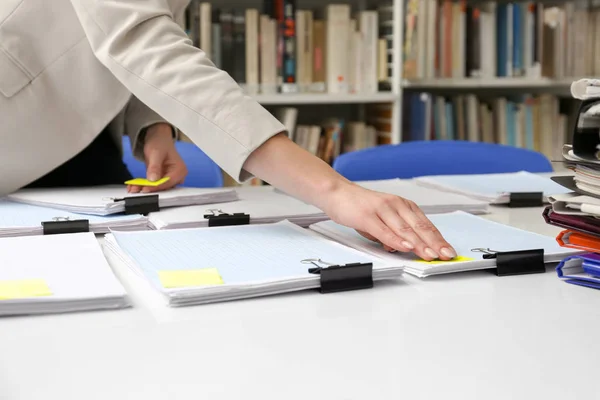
column 492, row 186
column 463, row 231
column 242, row 254
column 72, row 265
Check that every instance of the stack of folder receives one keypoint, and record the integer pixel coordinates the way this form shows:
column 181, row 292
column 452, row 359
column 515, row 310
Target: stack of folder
column 578, row 213
column 258, row 205
column 429, row 200
column 56, row 274
column 480, row 244
column 109, row 200
column 502, row 188
column 17, row 219
column 196, row 266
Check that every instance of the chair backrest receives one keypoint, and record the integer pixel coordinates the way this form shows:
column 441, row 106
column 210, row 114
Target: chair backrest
column 202, row 171
column 422, row 158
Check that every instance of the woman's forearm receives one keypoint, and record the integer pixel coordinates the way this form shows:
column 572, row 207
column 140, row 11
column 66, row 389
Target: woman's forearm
column 290, row 168
column 395, row 222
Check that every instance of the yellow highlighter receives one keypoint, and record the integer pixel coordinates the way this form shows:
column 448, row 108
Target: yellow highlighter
column 146, row 182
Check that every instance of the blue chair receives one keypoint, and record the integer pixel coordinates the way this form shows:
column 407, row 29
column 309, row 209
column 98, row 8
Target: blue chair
column 422, row 158
column 202, row 171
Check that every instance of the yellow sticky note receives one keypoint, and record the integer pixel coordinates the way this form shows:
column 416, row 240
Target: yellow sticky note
column 455, row 259
column 190, row 278
column 21, row 289
column 146, row 182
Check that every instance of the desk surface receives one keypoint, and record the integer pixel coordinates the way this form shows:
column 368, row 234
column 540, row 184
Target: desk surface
column 463, row 336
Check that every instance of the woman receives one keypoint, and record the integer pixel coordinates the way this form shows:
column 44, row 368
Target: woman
column 75, row 74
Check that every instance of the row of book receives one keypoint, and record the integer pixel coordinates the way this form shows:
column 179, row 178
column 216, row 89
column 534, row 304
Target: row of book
column 285, row 49
column 331, row 137
column 542, row 123
column 456, row 39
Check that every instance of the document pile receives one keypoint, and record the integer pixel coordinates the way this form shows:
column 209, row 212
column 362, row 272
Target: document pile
column 107, row 200
column 578, row 212
column 55, row 274
column 258, row 205
column 478, row 242
column 429, row 200
column 195, row 266
column 495, row 188
column 17, row 219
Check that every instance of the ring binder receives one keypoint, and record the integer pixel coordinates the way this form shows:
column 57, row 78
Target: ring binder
column 140, row 204
column 518, row 262
column 341, row 278
column 219, row 218
column 526, row 199
column 65, row 225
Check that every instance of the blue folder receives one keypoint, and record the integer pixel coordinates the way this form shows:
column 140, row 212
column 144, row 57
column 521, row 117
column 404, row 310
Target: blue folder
column 581, row 269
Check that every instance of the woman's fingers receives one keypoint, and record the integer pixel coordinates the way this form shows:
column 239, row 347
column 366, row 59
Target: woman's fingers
column 409, row 225
column 385, row 247
column 428, row 232
column 394, row 216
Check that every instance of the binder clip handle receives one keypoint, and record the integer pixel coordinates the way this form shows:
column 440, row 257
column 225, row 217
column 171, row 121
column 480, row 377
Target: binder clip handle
column 341, row 278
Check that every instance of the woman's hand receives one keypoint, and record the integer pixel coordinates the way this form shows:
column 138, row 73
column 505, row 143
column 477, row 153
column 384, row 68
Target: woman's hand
column 391, row 220
column 162, row 160
column 396, row 223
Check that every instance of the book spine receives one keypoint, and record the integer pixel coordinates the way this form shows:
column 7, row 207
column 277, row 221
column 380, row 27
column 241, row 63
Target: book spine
column 289, row 43
column 226, row 19
column 251, row 29
column 239, row 47
column 319, row 57
column 216, row 39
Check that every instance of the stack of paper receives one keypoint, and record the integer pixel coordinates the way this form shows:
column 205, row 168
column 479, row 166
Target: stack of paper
column 107, row 200
column 195, row 266
column 430, row 201
column 470, row 235
column 18, row 219
column 262, row 204
column 54, row 274
column 493, row 188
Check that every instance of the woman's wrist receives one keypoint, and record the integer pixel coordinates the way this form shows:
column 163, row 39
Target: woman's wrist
column 292, row 169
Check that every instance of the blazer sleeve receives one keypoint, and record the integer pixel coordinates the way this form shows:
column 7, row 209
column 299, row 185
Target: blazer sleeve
column 137, row 118
column 150, row 54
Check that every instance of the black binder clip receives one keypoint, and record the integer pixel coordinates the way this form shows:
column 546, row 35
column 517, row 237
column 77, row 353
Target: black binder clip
column 520, row 262
column 219, row 218
column 525, row 199
column 341, row 278
column 141, row 204
column 65, row 225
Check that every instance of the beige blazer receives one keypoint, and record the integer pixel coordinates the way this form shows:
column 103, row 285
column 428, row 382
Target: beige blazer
column 69, row 68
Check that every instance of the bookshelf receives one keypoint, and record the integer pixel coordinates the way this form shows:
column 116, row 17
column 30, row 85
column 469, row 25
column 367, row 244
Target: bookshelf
column 496, row 71
column 369, row 82
column 497, row 67
column 515, row 84
column 325, row 98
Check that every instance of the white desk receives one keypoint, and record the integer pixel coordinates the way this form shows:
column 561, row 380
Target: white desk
column 465, row 336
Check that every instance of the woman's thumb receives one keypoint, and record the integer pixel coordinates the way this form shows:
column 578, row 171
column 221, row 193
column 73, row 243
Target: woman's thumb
column 154, row 171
